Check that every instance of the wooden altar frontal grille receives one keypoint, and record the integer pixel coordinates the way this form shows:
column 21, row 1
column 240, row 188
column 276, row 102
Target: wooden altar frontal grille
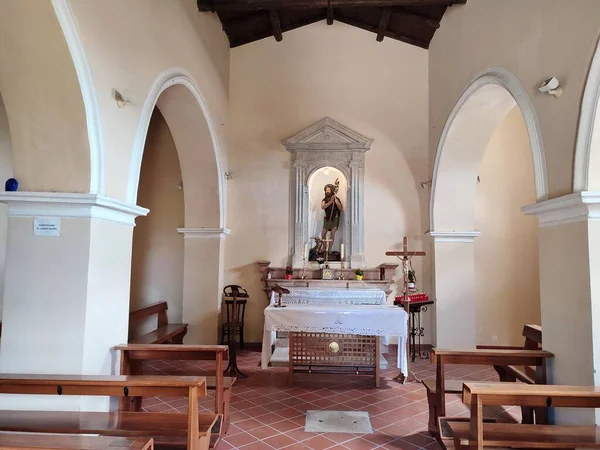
column 357, row 354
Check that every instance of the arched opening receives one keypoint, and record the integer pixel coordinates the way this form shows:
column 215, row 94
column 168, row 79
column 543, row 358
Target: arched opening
column 586, row 176
column 6, row 172
column 157, row 257
column 468, row 134
column 318, row 219
column 192, row 136
column 507, row 286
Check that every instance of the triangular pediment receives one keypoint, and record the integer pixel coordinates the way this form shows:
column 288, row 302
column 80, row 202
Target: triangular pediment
column 327, row 134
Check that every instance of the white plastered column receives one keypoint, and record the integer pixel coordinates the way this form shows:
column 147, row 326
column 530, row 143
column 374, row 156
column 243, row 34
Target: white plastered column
column 454, row 288
column 202, row 282
column 66, row 297
column 569, row 243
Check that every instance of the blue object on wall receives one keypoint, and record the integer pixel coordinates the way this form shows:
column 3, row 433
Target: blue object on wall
column 11, row 185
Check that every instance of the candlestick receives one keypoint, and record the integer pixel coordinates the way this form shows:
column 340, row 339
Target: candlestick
column 341, row 251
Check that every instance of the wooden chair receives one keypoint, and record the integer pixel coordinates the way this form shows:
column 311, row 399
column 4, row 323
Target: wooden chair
column 52, row 442
column 191, row 430
column 233, row 290
column 477, row 434
column 165, row 332
column 438, row 387
column 132, row 355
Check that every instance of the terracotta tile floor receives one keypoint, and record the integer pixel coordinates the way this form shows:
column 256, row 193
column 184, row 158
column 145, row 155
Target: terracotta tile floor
column 269, row 414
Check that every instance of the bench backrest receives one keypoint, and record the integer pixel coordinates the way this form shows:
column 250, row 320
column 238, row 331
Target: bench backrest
column 113, row 386
column 488, row 357
column 521, row 394
column 159, row 308
column 145, row 352
column 533, row 337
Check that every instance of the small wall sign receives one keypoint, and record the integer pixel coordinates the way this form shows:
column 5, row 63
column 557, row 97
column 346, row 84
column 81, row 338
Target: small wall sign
column 46, row 226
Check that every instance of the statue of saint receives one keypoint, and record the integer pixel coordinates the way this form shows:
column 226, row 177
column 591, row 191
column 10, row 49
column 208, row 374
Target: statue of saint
column 332, row 206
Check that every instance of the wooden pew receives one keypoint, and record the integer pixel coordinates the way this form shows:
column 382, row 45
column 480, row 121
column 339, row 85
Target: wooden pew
column 132, row 355
column 438, row 387
column 191, row 429
column 533, row 341
column 55, row 442
column 476, row 434
column 165, row 332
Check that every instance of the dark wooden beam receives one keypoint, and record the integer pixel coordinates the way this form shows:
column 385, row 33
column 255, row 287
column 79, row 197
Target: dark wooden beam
column 329, row 16
column 416, row 19
column 276, row 25
column 240, row 5
column 383, row 23
column 258, row 19
column 388, row 33
column 237, row 41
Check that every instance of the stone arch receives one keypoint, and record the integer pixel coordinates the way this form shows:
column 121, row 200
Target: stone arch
column 64, row 14
column 6, row 171
column 493, row 93
column 175, row 87
column 481, row 108
column 585, row 164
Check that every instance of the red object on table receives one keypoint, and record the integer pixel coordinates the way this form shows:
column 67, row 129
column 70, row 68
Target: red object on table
column 414, row 298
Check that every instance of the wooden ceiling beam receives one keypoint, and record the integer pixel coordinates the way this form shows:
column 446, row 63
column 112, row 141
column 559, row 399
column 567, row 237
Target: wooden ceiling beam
column 250, row 20
column 242, row 40
column 388, row 33
column 383, row 23
column 241, row 5
column 276, row 25
column 330, row 16
column 417, row 19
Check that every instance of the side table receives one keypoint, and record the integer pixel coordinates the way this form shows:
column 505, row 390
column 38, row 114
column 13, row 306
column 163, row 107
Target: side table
column 416, row 330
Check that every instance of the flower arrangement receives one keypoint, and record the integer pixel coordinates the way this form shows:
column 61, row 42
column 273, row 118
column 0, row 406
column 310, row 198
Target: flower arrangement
column 289, row 272
column 359, row 273
column 412, row 279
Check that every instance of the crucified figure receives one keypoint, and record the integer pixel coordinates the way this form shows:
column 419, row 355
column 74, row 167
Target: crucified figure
column 331, row 222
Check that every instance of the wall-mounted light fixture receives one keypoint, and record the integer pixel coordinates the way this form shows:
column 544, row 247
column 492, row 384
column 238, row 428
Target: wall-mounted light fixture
column 121, row 101
column 552, row 87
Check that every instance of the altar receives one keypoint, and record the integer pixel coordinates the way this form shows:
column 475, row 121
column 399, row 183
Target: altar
column 334, row 330
column 340, row 336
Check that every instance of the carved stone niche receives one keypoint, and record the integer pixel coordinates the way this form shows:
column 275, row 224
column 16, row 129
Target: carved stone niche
column 328, row 143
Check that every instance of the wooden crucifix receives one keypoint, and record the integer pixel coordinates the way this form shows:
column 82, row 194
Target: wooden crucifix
column 405, row 256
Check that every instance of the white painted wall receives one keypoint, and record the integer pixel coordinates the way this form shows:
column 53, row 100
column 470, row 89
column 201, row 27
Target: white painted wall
column 507, row 289
column 279, row 88
column 128, row 45
column 523, row 37
column 43, row 100
column 157, row 261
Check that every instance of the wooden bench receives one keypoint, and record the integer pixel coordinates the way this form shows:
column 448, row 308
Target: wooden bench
column 191, row 429
column 132, row 355
column 438, row 387
column 54, row 442
column 533, row 341
column 165, row 332
column 477, row 434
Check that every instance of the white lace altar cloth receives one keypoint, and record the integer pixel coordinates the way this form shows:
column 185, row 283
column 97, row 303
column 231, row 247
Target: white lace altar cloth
column 366, row 320
column 328, row 296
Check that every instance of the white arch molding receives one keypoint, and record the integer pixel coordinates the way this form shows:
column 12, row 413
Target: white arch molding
column 65, row 17
column 585, row 130
column 168, row 78
column 497, row 76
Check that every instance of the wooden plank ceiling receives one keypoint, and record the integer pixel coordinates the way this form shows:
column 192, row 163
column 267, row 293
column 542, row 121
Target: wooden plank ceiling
column 410, row 21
